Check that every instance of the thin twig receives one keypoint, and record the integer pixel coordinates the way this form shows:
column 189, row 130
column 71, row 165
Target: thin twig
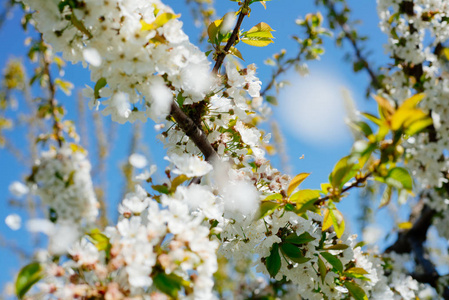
column 57, row 126
column 358, row 52
column 221, row 56
column 356, row 183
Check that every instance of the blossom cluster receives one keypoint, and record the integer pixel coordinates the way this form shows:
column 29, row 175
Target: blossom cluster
column 416, row 31
column 152, row 243
column 61, row 178
column 138, row 49
column 133, row 46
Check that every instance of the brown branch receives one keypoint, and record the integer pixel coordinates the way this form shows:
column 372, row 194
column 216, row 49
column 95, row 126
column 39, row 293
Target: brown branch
column 195, row 133
column 356, row 183
column 412, row 241
column 221, row 56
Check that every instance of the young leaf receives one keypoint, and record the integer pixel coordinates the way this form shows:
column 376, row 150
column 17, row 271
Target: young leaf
column 355, row 290
column 338, row 222
column 178, row 181
column 333, row 260
column 355, row 270
column 163, row 189
column 267, row 208
column 418, row 126
column 27, row 277
column 160, row 21
column 372, row 118
column 260, row 30
column 325, row 188
column 273, row 197
column 399, row 178
column 405, row 225
column 234, row 51
column 296, row 181
column 101, row 83
column 273, row 262
column 343, row 171
column 257, row 41
column 100, row 240
column 213, row 29
column 304, row 196
column 303, row 207
column 327, row 221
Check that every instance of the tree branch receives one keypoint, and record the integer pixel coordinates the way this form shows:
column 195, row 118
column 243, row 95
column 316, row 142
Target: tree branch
column 195, row 133
column 356, row 183
column 348, row 35
column 412, row 240
column 232, row 39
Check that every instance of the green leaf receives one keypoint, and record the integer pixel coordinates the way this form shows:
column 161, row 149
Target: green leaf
column 333, row 260
column 343, row 171
column 168, row 284
column 293, row 253
column 304, row 196
column 362, row 127
column 163, row 189
column 304, row 238
column 325, row 188
column 418, row 126
column 355, row 270
column 399, row 178
column 273, row 262
column 355, row 290
column 356, row 273
column 80, row 26
column 213, row 30
column 372, row 118
column 338, row 222
column 273, row 197
column 27, row 277
column 303, row 207
column 322, row 268
column 337, row 247
column 272, row 100
column 267, row 208
column 101, row 83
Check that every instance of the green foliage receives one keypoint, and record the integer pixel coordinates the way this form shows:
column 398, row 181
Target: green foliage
column 334, row 261
column 27, row 277
column 273, row 262
column 293, row 253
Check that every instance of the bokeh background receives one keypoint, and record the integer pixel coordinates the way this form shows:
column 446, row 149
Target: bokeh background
column 310, row 116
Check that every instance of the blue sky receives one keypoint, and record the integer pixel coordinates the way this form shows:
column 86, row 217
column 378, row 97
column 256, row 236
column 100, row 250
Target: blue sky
column 319, row 96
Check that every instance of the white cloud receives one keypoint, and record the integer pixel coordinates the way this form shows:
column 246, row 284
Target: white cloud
column 312, row 108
